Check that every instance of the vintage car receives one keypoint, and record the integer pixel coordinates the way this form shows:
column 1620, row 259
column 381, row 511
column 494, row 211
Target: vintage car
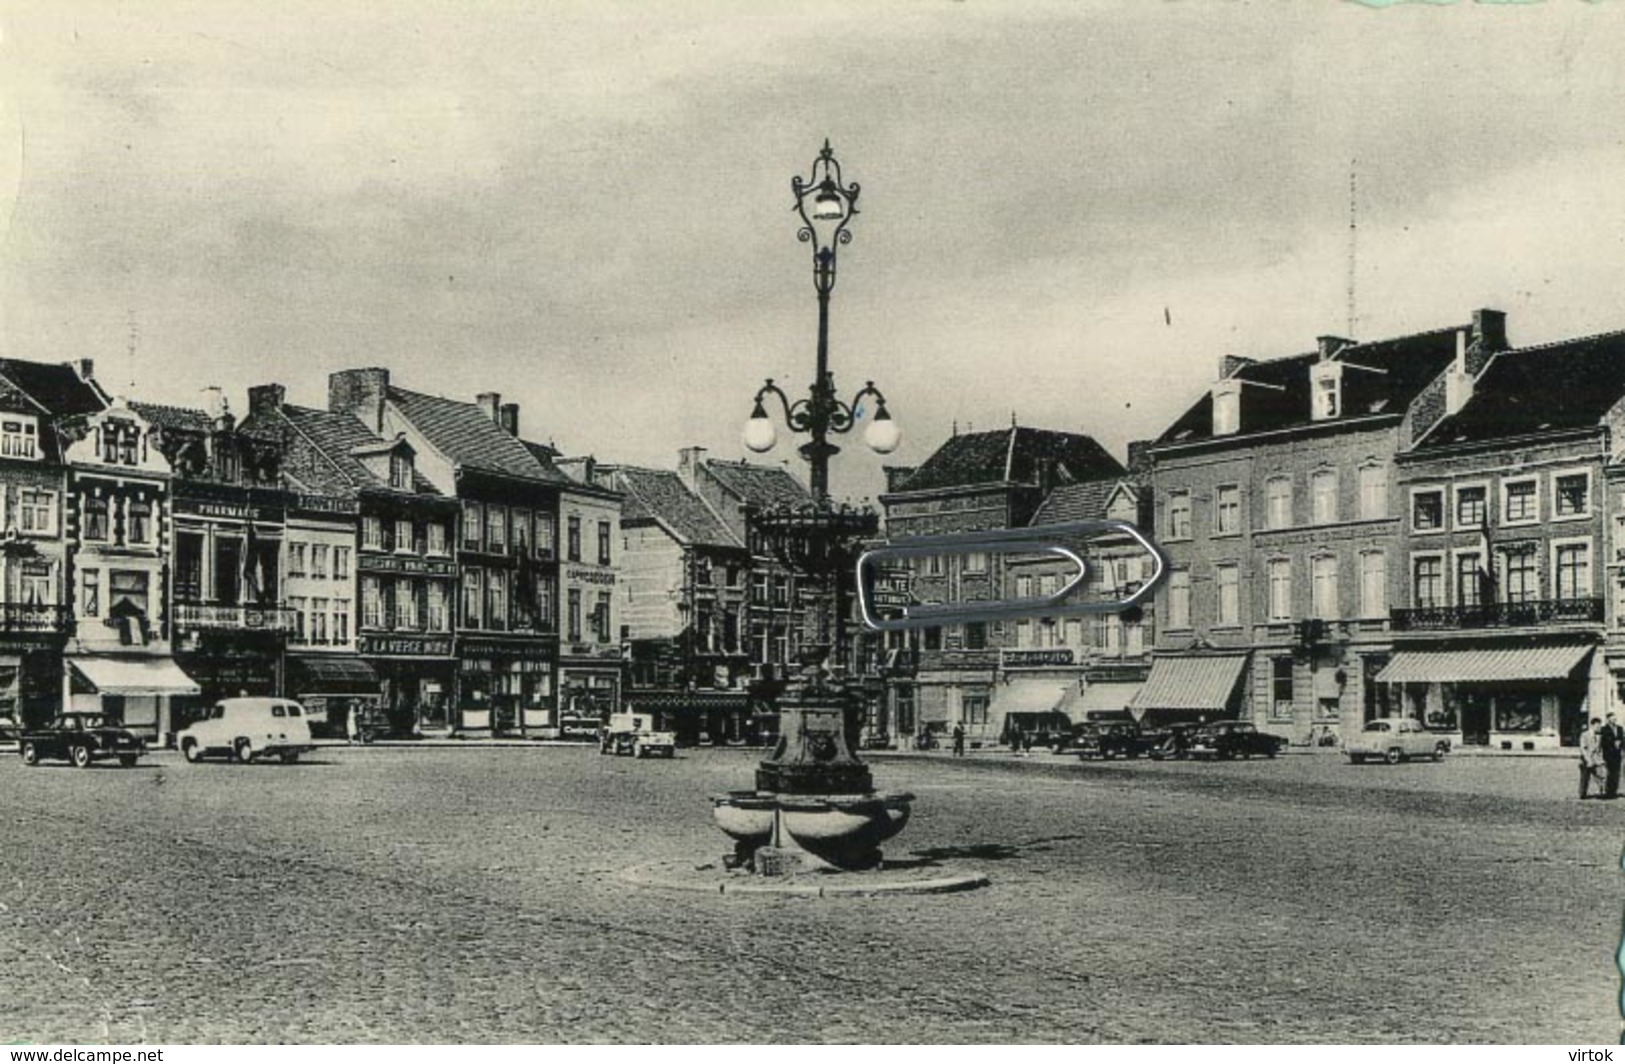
column 1172, row 743
column 247, row 729
column 1231, row 739
column 1109, row 739
column 80, row 738
column 635, row 734
column 1395, row 739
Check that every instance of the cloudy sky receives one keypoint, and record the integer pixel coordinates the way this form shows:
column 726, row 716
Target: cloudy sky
column 1069, row 210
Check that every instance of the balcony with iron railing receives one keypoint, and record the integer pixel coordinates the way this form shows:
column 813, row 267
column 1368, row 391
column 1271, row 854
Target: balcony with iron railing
column 20, row 617
column 201, row 616
column 1530, row 613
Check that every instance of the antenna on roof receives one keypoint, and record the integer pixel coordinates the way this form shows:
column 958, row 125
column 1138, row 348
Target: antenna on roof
column 1354, row 211
column 135, row 336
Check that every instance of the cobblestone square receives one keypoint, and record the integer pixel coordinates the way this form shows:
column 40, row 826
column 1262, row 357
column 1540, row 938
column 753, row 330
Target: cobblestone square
column 478, row 895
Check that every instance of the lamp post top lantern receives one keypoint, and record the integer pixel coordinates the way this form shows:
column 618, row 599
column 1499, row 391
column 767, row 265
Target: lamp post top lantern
column 826, row 207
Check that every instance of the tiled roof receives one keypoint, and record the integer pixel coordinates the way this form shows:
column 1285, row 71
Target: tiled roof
column 337, row 436
column 181, row 418
column 1016, row 454
column 1076, row 502
column 757, row 485
column 1539, row 389
column 58, row 388
column 1382, row 378
column 463, row 433
column 661, row 495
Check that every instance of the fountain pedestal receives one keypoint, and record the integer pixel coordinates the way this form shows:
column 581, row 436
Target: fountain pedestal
column 815, row 806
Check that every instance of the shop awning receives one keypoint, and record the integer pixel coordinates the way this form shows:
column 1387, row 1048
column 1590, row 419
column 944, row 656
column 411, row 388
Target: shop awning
column 341, row 674
column 1485, row 664
column 134, row 676
column 689, row 701
column 1197, row 683
column 1027, row 698
column 1101, row 699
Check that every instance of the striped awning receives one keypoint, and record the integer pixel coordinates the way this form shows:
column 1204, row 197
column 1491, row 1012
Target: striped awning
column 1486, row 664
column 1205, row 682
column 1101, row 699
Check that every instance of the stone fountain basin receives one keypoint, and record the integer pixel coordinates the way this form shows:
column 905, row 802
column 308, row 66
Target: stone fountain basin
column 840, row 828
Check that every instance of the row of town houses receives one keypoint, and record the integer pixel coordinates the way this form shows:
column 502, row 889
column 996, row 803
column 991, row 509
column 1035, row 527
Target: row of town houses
column 399, row 553
column 1431, row 525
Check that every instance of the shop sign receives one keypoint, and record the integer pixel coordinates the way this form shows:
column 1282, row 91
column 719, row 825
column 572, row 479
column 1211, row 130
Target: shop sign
column 414, row 645
column 590, row 576
column 592, row 650
column 389, row 563
column 475, row 648
column 326, row 504
column 1031, row 658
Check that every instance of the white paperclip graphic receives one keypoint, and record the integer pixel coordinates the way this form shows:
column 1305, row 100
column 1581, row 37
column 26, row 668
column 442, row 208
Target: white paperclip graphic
column 1050, row 539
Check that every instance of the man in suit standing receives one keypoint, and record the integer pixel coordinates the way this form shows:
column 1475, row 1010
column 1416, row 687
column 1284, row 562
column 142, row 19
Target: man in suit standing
column 1613, row 749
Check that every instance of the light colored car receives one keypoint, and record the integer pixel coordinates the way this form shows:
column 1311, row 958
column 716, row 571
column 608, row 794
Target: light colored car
column 634, row 733
column 248, row 728
column 1395, row 739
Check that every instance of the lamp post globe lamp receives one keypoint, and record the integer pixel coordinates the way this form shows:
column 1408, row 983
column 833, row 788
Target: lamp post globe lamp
column 814, row 804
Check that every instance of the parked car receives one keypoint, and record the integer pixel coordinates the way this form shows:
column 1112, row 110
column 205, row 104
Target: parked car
column 1395, row 739
column 247, row 729
column 634, row 733
column 1233, row 738
column 1172, row 743
column 10, row 730
column 80, row 738
column 1109, row 739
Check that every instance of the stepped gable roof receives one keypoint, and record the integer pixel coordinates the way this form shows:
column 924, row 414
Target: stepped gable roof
column 759, row 485
column 59, row 389
column 1526, row 391
column 338, row 437
column 661, row 495
column 463, row 433
column 1012, row 455
column 1076, row 502
column 174, row 418
column 1382, row 377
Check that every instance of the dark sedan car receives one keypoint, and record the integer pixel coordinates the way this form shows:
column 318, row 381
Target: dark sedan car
column 1233, row 738
column 80, row 738
column 1109, row 739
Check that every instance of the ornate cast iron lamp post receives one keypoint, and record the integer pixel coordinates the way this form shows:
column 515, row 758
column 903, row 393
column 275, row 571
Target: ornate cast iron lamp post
column 814, row 803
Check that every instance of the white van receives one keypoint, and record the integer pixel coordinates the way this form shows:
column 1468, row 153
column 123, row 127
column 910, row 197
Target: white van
column 247, row 728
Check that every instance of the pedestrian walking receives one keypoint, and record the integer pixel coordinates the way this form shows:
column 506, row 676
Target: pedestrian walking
column 353, row 725
column 1613, row 749
column 959, row 740
column 1591, row 763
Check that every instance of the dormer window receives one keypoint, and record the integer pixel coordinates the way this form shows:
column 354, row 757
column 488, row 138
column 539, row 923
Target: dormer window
column 1227, row 408
column 400, row 472
column 1326, row 383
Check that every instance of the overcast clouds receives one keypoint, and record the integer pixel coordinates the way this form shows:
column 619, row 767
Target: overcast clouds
column 586, row 206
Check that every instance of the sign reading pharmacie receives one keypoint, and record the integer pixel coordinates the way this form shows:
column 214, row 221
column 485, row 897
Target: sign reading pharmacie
column 369, row 562
column 417, row 646
column 1026, row 659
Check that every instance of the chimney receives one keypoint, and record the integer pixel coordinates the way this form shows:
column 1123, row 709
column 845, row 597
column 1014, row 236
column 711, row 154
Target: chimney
column 214, row 401
column 508, row 418
column 266, row 398
column 1139, row 457
column 1329, row 346
column 1458, row 380
column 359, row 392
column 84, row 367
column 490, row 403
column 1230, row 364
column 1490, row 330
column 688, row 464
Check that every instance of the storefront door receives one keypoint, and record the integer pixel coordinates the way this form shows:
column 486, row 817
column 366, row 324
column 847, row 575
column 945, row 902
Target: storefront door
column 1475, row 707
